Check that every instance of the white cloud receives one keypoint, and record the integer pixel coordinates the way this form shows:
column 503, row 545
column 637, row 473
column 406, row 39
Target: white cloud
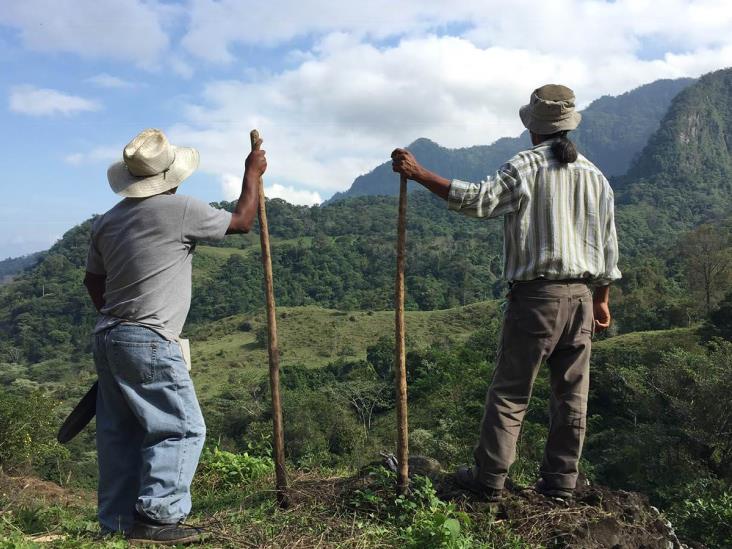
column 96, row 155
column 348, row 103
column 364, row 77
column 216, row 26
column 104, row 80
column 231, row 189
column 292, row 195
column 47, row 102
column 129, row 30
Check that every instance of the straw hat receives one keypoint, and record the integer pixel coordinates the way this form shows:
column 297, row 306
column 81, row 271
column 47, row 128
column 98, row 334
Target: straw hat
column 550, row 110
column 151, row 165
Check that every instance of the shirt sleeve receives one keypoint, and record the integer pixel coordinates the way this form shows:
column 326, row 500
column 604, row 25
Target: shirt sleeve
column 611, row 273
column 497, row 195
column 204, row 222
column 94, row 261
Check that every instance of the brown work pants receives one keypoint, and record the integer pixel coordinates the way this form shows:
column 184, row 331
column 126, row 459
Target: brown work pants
column 545, row 321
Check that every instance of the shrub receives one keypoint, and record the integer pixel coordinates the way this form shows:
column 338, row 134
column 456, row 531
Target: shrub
column 222, row 469
column 707, row 518
column 423, row 519
column 27, row 432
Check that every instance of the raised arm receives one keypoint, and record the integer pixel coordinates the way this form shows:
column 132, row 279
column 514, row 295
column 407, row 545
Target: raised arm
column 403, row 162
column 497, row 195
column 246, row 207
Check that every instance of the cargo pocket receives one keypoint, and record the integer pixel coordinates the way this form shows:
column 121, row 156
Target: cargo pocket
column 135, row 361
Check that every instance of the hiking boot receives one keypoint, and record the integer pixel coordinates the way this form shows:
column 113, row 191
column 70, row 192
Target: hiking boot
column 552, row 492
column 465, row 478
column 146, row 531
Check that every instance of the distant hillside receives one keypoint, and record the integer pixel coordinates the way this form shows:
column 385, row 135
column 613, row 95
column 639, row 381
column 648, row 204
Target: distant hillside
column 684, row 175
column 686, row 168
column 13, row 265
column 613, row 132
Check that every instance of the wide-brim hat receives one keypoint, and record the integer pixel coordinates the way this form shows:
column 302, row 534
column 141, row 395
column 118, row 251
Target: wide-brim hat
column 151, row 165
column 550, row 110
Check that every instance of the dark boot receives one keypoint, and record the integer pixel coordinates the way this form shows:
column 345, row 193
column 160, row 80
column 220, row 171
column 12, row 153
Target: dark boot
column 551, row 492
column 145, row 531
column 465, row 478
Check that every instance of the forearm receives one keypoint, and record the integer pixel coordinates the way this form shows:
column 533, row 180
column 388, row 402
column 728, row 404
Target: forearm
column 95, row 285
column 601, row 294
column 242, row 218
column 435, row 183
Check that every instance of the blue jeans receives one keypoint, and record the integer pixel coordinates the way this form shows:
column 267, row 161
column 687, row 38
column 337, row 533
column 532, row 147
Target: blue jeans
column 150, row 430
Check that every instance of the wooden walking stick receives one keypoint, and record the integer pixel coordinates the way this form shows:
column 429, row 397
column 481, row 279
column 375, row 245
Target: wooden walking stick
column 400, row 359
column 272, row 348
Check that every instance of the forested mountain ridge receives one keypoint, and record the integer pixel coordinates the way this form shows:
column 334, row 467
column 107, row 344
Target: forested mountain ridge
column 685, row 170
column 659, row 415
column 612, row 133
column 342, row 256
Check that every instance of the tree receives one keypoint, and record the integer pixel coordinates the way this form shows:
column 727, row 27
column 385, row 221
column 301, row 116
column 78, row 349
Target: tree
column 707, row 257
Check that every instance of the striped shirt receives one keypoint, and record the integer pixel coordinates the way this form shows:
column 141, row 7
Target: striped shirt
column 558, row 219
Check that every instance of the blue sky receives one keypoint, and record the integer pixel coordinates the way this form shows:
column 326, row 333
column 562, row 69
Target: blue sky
column 333, row 87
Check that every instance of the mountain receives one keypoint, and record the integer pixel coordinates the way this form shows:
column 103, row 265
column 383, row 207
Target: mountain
column 12, row 266
column 612, row 133
column 658, row 401
column 685, row 170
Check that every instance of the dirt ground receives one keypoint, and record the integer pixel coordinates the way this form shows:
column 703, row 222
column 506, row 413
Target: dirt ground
column 25, row 490
column 597, row 517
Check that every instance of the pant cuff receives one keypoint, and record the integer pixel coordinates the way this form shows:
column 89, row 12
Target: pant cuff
column 564, row 481
column 490, row 480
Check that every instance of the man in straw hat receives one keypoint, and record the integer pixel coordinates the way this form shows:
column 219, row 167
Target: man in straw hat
column 150, row 430
column 560, row 255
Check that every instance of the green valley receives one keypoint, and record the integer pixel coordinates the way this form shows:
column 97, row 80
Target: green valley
column 659, row 411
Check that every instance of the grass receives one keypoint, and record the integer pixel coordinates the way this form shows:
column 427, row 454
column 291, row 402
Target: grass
column 675, row 337
column 322, row 514
column 313, row 336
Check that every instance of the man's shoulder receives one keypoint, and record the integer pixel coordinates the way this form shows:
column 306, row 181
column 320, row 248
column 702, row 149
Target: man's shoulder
column 529, row 158
column 583, row 163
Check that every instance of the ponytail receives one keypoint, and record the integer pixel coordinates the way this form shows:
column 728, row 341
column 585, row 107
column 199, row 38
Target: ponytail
column 563, row 149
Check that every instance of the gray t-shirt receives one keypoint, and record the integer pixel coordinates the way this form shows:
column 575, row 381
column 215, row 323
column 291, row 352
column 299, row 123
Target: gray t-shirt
column 145, row 247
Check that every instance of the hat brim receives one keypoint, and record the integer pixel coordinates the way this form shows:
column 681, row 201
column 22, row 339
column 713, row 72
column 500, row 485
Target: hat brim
column 548, row 127
column 130, row 186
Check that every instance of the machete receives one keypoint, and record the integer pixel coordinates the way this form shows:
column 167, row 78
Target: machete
column 80, row 416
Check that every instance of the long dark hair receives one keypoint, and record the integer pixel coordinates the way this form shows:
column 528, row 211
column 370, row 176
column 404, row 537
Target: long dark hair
column 562, row 148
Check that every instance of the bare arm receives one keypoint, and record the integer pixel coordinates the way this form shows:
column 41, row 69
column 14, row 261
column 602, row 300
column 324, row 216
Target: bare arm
column 246, row 207
column 95, row 284
column 601, row 308
column 403, row 162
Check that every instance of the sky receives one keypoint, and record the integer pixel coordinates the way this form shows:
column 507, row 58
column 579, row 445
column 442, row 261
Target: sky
column 333, row 87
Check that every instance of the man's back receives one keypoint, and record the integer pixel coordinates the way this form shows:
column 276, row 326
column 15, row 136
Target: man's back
column 564, row 225
column 558, row 218
column 144, row 247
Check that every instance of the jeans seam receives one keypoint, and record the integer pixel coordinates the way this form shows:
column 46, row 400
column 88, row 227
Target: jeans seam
column 184, row 441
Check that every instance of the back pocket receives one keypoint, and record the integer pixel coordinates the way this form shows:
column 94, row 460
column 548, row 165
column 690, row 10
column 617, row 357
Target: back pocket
column 135, row 361
column 535, row 317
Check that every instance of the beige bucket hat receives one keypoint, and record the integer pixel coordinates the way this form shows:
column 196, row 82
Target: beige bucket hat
column 151, row 165
column 550, row 110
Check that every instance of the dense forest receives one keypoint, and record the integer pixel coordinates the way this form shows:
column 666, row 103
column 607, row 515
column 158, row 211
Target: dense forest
column 659, row 409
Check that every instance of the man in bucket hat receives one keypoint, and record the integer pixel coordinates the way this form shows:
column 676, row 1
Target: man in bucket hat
column 150, row 430
column 560, row 255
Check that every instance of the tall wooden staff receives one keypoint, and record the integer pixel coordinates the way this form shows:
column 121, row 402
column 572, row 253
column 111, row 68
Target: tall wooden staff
column 272, row 348
column 400, row 353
